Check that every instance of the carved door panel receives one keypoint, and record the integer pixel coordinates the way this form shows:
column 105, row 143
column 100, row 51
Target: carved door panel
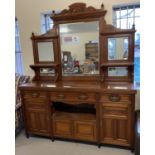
column 115, row 131
column 38, row 121
column 63, row 128
column 116, row 125
column 85, row 130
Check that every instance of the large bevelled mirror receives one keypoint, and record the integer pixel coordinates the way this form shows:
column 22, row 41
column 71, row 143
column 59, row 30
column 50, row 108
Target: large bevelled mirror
column 80, row 48
column 45, row 51
column 118, row 48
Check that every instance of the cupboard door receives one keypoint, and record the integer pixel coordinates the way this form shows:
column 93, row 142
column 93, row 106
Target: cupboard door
column 115, row 131
column 85, row 130
column 116, row 124
column 37, row 121
column 63, row 128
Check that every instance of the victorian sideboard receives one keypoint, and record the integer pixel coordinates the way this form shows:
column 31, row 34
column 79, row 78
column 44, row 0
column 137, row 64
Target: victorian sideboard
column 83, row 93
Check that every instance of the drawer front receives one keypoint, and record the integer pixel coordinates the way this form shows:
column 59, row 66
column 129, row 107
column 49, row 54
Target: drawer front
column 115, row 98
column 63, row 128
column 85, row 130
column 72, row 97
column 33, row 99
column 114, row 111
column 34, row 95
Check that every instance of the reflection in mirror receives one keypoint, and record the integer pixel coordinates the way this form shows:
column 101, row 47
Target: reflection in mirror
column 80, row 48
column 118, row 48
column 117, row 71
column 47, row 72
column 45, row 51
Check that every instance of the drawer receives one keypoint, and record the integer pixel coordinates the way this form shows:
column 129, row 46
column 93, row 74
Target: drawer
column 85, row 130
column 115, row 98
column 35, row 99
column 34, row 96
column 111, row 111
column 72, row 97
column 63, row 128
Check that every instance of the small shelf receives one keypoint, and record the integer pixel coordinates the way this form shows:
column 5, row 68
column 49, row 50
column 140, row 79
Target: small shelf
column 74, row 116
column 75, row 108
column 51, row 65
column 117, row 64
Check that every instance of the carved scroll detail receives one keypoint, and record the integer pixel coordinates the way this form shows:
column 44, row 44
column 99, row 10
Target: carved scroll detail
column 78, row 8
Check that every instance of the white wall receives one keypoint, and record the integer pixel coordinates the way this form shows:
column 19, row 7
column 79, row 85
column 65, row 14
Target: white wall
column 29, row 12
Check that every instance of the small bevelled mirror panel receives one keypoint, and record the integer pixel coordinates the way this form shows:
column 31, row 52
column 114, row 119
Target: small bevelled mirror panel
column 47, row 72
column 118, row 48
column 45, row 51
column 117, row 71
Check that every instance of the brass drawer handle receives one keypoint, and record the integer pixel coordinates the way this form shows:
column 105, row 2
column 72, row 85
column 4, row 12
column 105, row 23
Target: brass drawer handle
column 114, row 98
column 82, row 97
column 34, row 94
column 61, row 96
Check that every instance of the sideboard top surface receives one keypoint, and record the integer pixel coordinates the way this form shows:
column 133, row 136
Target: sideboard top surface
column 122, row 87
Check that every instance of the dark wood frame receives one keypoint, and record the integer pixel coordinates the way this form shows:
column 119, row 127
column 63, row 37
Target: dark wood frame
column 43, row 38
column 109, row 31
column 52, row 36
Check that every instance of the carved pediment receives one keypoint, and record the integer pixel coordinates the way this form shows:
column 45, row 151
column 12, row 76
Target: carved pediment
column 78, row 8
column 79, row 11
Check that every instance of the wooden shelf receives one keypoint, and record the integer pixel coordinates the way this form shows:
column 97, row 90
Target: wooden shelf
column 74, row 116
column 50, row 65
column 117, row 64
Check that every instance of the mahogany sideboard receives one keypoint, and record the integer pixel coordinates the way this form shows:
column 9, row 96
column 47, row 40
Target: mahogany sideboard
column 111, row 120
column 82, row 93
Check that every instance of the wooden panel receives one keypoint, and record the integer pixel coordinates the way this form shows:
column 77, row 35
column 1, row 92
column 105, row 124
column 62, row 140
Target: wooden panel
column 122, row 130
column 73, row 97
column 115, row 131
column 107, row 130
column 37, row 121
column 63, row 128
column 85, row 130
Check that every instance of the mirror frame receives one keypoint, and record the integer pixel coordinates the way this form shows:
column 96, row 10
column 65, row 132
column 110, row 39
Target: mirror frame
column 39, row 39
column 79, row 12
column 130, row 55
column 113, row 37
column 87, row 41
column 109, row 31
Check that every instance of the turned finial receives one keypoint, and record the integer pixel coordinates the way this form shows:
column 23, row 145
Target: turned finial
column 53, row 12
column 102, row 6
